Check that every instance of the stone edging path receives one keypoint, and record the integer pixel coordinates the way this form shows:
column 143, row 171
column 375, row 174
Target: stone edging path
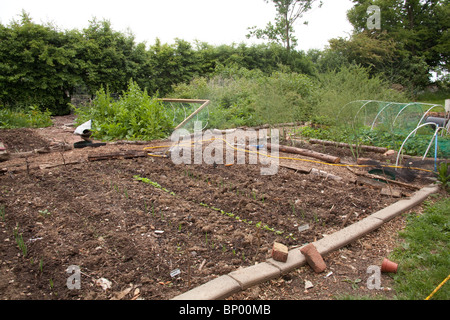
column 242, row 279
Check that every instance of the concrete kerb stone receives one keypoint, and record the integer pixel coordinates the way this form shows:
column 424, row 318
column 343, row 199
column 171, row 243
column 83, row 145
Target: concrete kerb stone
column 242, row 279
column 403, row 205
column 258, row 273
column 347, row 235
column 216, row 289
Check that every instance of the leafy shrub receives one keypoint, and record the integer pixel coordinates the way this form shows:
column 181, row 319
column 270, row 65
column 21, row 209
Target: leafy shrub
column 241, row 97
column 134, row 116
column 31, row 117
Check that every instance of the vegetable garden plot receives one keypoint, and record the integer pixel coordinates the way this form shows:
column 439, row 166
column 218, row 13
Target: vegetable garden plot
column 134, row 222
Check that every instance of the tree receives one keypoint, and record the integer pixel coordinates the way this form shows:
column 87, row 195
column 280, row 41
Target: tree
column 282, row 32
column 382, row 55
column 418, row 27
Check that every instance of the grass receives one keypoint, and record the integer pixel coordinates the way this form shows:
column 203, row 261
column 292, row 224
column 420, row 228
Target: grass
column 424, row 257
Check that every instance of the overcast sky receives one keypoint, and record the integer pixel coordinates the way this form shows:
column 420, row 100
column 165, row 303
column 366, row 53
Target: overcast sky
column 213, row 21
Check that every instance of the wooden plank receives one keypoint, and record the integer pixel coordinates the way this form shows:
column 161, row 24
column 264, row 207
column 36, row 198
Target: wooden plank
column 299, row 169
column 118, row 155
column 305, row 152
column 346, row 145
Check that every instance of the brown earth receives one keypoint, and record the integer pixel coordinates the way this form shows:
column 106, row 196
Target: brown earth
column 96, row 215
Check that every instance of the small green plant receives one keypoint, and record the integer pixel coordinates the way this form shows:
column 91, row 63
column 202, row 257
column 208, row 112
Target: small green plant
column 354, row 283
column 443, row 176
column 44, row 213
column 155, row 184
column 2, row 212
column 20, row 242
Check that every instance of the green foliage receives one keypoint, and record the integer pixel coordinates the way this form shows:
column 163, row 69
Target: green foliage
column 242, row 97
column 41, row 65
column 134, row 116
column 30, row 117
column 416, row 33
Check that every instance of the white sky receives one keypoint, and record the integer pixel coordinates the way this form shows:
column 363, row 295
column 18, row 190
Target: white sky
column 213, row 21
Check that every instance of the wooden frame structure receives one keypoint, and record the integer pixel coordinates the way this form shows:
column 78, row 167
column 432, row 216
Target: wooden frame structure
column 203, row 103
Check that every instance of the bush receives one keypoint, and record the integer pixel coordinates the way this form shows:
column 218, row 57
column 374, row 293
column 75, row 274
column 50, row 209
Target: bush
column 335, row 89
column 134, row 116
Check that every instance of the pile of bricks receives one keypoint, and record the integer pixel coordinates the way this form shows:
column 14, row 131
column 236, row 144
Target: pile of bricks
column 280, row 253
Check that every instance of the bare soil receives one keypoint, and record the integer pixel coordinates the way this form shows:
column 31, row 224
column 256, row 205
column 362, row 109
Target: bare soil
column 94, row 214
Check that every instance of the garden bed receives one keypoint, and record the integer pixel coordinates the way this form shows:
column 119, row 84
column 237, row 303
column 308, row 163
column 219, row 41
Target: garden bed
column 152, row 228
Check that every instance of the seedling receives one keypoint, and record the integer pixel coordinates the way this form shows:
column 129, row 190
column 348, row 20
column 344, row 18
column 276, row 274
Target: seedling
column 20, row 243
column 354, row 283
column 2, row 212
column 44, row 213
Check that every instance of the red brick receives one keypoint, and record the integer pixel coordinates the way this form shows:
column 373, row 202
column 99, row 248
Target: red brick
column 280, row 252
column 313, row 258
